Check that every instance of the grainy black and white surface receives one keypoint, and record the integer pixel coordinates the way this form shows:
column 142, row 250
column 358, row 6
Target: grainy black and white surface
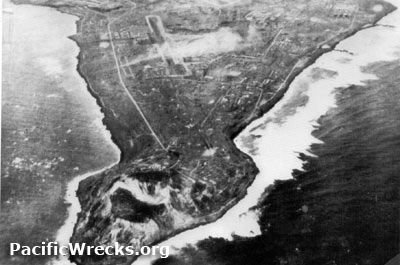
column 155, row 92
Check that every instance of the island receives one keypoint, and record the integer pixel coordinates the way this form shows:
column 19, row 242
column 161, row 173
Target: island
column 177, row 81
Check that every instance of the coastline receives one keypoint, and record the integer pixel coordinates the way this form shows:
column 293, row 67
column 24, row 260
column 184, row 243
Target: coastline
column 95, row 96
column 270, row 104
column 289, row 82
column 235, row 129
column 72, row 213
column 47, row 101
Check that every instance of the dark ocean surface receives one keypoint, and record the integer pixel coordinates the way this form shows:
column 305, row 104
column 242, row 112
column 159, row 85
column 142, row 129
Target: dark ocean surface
column 339, row 203
column 343, row 206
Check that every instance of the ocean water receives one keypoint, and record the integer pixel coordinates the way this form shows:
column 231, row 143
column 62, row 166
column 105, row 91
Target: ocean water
column 52, row 128
column 276, row 140
column 341, row 207
column 52, row 132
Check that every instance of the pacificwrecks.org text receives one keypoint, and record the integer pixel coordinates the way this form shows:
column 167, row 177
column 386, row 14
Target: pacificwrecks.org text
column 53, row 249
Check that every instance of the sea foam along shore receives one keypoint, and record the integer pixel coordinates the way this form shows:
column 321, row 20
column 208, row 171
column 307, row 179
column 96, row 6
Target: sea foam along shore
column 286, row 130
column 65, row 232
column 82, row 179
